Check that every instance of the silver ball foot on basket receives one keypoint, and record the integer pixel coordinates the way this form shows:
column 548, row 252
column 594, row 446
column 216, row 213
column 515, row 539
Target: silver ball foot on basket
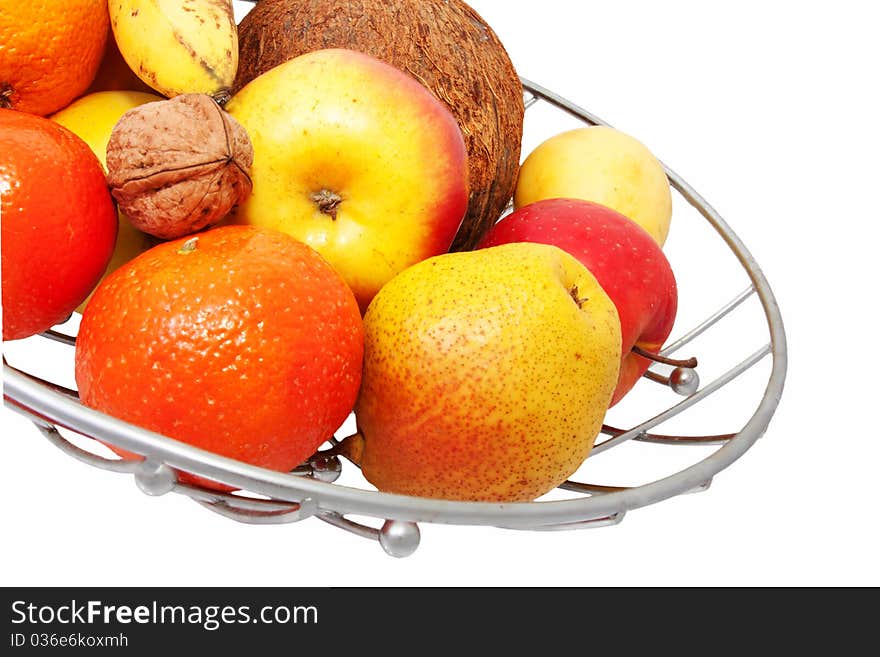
column 154, row 478
column 322, row 466
column 325, row 468
column 684, row 381
column 399, row 539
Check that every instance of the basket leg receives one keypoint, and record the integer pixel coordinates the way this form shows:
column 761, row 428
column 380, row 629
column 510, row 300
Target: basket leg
column 399, row 539
column 154, row 478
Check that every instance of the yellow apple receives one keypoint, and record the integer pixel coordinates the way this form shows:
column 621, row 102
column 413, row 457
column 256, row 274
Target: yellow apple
column 356, row 159
column 486, row 376
column 92, row 118
column 602, row 165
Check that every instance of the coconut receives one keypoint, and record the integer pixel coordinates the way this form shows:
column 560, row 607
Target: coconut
column 444, row 44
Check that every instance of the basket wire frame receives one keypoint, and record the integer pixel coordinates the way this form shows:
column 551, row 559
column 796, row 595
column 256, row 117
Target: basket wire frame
column 310, row 491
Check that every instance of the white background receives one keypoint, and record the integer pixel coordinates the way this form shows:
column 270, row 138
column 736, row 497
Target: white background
column 770, row 111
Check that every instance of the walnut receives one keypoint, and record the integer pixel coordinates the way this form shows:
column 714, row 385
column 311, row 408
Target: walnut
column 178, row 166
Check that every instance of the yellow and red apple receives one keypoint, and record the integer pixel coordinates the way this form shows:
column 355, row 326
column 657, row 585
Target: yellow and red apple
column 623, row 257
column 603, row 165
column 355, row 158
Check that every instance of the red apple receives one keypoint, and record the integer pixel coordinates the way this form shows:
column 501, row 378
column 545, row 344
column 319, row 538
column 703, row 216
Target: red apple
column 624, row 258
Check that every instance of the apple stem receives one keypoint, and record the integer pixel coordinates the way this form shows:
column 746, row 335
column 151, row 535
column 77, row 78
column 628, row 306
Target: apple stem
column 657, row 358
column 658, row 378
column 327, row 202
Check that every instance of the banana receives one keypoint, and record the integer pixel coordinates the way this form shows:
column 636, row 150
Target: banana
column 178, row 46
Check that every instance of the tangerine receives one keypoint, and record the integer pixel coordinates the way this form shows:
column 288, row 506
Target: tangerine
column 241, row 341
column 49, row 51
column 58, row 222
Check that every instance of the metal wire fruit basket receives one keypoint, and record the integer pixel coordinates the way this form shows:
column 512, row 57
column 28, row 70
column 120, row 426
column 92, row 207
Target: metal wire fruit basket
column 312, row 490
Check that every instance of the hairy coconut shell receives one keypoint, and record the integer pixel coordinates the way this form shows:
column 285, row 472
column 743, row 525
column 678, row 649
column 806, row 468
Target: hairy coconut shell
column 444, row 44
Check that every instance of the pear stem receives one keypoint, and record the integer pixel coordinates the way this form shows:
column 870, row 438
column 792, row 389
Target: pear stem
column 351, row 448
column 658, row 378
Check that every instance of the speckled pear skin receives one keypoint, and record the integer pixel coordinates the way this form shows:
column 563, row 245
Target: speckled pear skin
column 487, row 374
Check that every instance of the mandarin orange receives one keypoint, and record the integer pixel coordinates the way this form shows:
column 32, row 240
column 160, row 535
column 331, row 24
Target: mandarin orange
column 241, row 341
column 58, row 222
column 49, row 51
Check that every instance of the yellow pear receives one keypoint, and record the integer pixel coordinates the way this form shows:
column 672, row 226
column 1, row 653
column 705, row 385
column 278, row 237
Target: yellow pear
column 92, row 118
column 487, row 374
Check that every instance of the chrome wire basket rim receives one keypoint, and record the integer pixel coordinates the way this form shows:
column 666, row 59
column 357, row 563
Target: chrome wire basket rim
column 45, row 404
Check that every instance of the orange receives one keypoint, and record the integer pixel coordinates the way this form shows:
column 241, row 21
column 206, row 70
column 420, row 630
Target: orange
column 49, row 51
column 58, row 222
column 241, row 341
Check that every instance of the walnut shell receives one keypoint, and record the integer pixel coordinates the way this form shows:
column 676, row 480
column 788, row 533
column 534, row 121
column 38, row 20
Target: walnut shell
column 178, row 166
